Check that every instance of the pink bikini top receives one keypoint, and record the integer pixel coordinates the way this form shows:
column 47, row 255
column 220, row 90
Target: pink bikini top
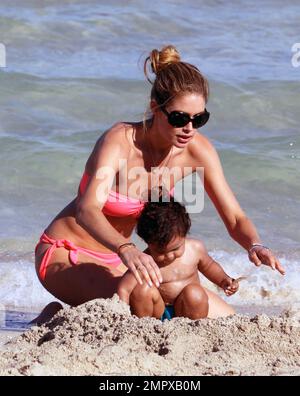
column 117, row 204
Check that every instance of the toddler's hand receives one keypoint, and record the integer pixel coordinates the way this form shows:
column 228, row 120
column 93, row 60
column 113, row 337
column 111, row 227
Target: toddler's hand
column 230, row 286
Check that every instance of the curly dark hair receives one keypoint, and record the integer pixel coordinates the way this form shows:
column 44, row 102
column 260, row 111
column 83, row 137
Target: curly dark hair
column 159, row 222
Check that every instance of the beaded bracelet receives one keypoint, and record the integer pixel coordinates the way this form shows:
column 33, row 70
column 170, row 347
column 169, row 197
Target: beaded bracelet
column 254, row 245
column 129, row 244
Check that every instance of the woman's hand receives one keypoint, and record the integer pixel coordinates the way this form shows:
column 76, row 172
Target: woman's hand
column 140, row 263
column 263, row 255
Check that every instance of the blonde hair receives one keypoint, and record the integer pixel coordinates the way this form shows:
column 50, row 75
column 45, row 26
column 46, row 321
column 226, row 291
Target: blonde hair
column 173, row 77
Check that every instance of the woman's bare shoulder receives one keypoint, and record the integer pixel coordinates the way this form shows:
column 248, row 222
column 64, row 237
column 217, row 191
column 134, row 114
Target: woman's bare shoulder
column 117, row 134
column 200, row 144
column 202, row 151
column 111, row 141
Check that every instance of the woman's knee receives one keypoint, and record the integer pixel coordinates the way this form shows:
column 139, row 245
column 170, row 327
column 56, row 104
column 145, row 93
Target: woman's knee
column 77, row 284
column 217, row 306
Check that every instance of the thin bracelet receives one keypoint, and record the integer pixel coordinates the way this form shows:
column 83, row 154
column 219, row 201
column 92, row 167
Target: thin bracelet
column 129, row 244
column 254, row 245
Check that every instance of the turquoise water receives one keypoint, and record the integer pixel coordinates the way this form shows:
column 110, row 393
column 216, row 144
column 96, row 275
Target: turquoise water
column 74, row 68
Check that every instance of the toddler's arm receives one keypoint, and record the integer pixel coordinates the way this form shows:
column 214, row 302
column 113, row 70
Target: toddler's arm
column 126, row 285
column 215, row 273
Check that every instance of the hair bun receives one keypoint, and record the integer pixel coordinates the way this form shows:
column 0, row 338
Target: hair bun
column 160, row 59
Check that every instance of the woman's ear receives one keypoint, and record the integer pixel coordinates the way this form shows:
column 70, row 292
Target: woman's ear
column 153, row 106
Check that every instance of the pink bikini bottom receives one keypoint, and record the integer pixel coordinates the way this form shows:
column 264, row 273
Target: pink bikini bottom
column 108, row 258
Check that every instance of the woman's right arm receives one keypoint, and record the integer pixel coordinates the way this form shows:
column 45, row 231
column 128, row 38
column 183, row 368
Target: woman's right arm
column 112, row 147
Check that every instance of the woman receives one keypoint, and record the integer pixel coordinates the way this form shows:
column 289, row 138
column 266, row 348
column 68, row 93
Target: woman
column 85, row 250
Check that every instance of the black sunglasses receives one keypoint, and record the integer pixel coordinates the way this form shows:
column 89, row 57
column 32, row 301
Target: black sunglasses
column 179, row 119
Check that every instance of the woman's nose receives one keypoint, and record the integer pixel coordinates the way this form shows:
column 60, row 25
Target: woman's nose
column 188, row 127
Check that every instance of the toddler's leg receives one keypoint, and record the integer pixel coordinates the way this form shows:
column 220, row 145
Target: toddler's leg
column 146, row 301
column 192, row 302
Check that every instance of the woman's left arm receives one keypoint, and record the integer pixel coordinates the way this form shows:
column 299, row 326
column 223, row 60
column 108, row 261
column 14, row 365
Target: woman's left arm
column 239, row 226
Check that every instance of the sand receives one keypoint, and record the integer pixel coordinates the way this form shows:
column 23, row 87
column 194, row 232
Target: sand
column 6, row 336
column 101, row 337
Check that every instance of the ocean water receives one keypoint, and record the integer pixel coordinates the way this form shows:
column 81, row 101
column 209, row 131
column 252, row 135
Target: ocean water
column 75, row 67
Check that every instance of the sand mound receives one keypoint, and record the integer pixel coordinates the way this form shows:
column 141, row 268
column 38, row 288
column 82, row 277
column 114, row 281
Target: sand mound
column 102, row 338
